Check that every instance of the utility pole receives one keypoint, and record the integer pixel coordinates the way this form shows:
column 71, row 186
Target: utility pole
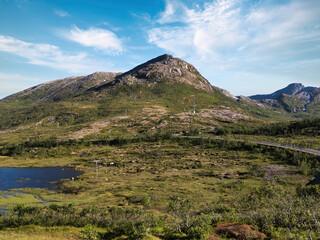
column 96, row 161
column 194, row 104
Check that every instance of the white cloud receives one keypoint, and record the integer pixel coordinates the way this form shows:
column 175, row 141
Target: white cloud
column 61, row 13
column 174, row 12
column 172, row 39
column 50, row 56
column 224, row 36
column 205, row 32
column 98, row 38
column 225, row 28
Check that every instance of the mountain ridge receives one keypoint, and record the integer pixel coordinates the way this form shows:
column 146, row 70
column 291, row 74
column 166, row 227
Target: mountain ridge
column 161, row 93
column 291, row 89
column 293, row 98
column 164, row 91
column 54, row 89
column 162, row 68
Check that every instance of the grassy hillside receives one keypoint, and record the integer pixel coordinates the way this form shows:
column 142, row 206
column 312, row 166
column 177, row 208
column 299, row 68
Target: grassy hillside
column 171, row 103
column 304, row 133
column 307, row 127
column 153, row 183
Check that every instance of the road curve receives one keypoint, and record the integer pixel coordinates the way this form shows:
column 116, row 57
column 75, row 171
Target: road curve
column 301, row 149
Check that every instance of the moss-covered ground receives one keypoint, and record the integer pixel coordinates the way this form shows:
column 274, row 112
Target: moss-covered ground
column 148, row 172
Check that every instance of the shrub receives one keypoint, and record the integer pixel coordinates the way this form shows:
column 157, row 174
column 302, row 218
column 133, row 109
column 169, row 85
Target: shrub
column 90, row 233
column 311, row 190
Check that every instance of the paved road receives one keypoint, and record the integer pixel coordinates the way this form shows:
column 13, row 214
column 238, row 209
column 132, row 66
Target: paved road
column 301, row 149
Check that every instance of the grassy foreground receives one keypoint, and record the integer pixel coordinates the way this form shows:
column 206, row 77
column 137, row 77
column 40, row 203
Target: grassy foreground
column 41, row 233
column 165, row 187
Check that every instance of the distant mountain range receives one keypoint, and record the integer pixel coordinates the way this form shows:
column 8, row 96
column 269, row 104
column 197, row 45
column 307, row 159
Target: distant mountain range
column 291, row 89
column 293, row 98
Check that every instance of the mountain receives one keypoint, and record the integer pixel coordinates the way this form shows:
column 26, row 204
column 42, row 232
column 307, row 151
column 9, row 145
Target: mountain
column 291, row 89
column 165, row 67
column 62, row 88
column 163, row 93
column 293, row 98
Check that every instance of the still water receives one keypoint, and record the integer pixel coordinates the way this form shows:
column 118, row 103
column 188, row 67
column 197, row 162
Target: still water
column 316, row 180
column 33, row 177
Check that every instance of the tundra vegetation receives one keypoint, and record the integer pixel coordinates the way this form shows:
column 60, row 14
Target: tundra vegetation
column 161, row 186
column 165, row 172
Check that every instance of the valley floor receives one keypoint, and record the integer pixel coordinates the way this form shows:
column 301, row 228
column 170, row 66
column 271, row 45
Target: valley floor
column 161, row 174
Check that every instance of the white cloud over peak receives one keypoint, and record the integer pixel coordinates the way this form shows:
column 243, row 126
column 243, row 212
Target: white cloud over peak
column 49, row 55
column 174, row 12
column 98, row 38
column 241, row 37
column 203, row 31
column 225, row 29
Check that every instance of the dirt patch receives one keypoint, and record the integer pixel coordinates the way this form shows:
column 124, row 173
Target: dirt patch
column 154, row 111
column 239, row 231
column 224, row 114
column 211, row 237
column 273, row 170
column 93, row 128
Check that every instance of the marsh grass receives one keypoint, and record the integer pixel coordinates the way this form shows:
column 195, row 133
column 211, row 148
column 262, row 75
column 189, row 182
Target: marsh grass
column 41, row 233
column 202, row 169
column 146, row 172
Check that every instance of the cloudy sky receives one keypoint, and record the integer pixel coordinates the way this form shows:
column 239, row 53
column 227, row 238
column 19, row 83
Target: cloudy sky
column 244, row 46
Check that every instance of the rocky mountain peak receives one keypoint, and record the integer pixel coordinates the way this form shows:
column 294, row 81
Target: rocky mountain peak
column 291, row 89
column 164, row 68
column 293, row 98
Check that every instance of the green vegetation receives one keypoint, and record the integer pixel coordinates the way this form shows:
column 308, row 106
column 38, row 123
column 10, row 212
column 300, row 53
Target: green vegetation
column 85, row 108
column 307, row 127
column 278, row 213
column 155, row 180
column 42, row 233
column 165, row 187
column 303, row 133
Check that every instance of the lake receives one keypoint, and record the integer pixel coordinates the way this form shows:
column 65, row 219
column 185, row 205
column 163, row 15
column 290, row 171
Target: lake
column 316, row 180
column 34, row 177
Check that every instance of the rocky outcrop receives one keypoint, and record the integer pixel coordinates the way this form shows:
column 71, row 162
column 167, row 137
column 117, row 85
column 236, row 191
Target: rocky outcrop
column 239, row 231
column 163, row 68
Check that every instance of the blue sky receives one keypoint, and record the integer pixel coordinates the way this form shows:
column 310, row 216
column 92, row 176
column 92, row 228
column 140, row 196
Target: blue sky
column 244, row 46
